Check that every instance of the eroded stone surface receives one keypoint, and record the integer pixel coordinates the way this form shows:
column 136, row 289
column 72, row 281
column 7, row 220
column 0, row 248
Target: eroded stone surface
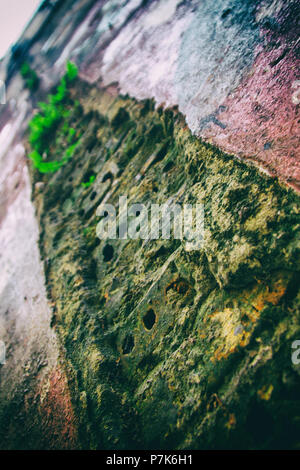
column 163, row 348
column 169, row 348
column 232, row 67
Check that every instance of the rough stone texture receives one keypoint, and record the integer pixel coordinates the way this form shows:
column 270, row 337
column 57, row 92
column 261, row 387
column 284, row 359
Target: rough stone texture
column 146, row 345
column 239, row 60
column 231, row 66
column 169, row 348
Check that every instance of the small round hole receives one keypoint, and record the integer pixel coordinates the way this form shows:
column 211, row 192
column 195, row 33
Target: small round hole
column 149, row 319
column 226, row 13
column 88, row 175
column 168, row 167
column 128, row 344
column 108, row 176
column 108, row 253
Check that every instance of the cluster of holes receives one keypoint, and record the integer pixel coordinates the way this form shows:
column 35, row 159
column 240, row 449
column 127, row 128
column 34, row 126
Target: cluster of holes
column 149, row 319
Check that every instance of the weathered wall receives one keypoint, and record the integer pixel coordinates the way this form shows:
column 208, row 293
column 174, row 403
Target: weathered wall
column 171, row 348
column 34, row 396
column 158, row 347
column 231, row 66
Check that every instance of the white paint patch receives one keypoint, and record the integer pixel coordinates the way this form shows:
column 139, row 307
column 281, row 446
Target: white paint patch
column 296, row 94
column 4, row 136
column 263, row 11
column 23, row 301
column 161, row 13
column 2, row 92
column 143, row 62
column 77, row 37
column 10, row 130
column 115, row 13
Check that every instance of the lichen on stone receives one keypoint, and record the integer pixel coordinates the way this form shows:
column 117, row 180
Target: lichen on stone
column 168, row 348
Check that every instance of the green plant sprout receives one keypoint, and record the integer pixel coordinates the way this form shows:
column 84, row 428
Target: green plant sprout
column 45, row 124
column 31, row 79
column 88, row 183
